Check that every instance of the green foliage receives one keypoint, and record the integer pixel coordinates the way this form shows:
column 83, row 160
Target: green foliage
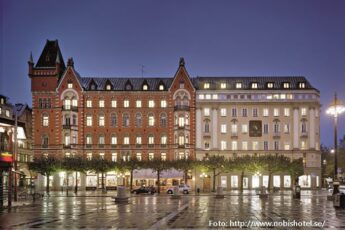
column 45, row 165
column 99, row 165
column 77, row 163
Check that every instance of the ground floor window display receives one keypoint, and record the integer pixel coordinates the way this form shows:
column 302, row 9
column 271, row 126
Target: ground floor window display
column 305, row 181
column 234, row 181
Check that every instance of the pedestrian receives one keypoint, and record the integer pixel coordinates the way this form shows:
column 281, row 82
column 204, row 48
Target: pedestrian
column 198, row 191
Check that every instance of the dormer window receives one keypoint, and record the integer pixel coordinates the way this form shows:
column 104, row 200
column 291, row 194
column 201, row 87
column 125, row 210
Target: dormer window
column 254, row 85
column 223, row 85
column 145, row 87
column 206, row 85
column 108, row 87
column 238, row 85
column 270, row 85
column 286, row 85
column 93, row 87
column 301, row 85
column 161, row 87
column 69, row 85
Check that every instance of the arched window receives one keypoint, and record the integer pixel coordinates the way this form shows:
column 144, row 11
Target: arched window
column 164, row 140
column 138, row 120
column 45, row 141
column 125, row 120
column 113, row 120
column 67, row 120
column 304, row 126
column 74, row 102
column 207, row 126
column 151, row 119
column 163, row 119
column 67, row 104
column 45, row 120
column 101, row 120
column 185, row 100
column 67, row 141
column 151, row 140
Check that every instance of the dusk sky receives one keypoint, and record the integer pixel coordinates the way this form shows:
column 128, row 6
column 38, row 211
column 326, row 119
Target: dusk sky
column 216, row 38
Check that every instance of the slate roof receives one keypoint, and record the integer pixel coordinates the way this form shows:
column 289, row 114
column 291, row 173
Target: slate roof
column 49, row 54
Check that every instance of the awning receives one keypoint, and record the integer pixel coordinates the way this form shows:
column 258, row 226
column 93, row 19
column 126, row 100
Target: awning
column 149, row 174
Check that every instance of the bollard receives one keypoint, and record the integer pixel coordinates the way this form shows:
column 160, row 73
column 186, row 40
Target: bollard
column 175, row 194
column 219, row 193
column 263, row 193
column 121, row 195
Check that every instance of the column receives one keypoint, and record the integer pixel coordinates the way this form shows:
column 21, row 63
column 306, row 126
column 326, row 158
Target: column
column 214, row 121
column 56, row 182
column 295, row 128
column 199, row 125
column 312, row 128
column 82, row 181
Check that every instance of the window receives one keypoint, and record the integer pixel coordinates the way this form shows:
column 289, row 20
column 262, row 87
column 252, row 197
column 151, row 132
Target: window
column 254, row 85
column 138, row 120
column 234, row 128
column 234, row 112
column 125, row 120
column 113, row 103
column 113, row 140
column 234, row 145
column 244, row 145
column 276, row 128
column 101, row 156
column 108, row 87
column 265, row 145
column 286, row 146
column 276, row 145
column 207, row 111
column 181, row 140
column 70, row 85
column 207, row 126
column 244, row 112
column 208, row 96
column 89, row 156
column 161, row 87
column 88, row 139
column 114, row 157
column 163, row 156
column 304, row 127
column 145, row 87
column 286, row 85
column 151, row 156
column 238, row 85
column 286, row 128
column 101, row 120
column 126, row 140
column 139, row 157
column 206, row 85
column 255, row 112
column 255, row 145
column 265, row 112
column 303, row 111
column 207, row 144
column 138, row 103
column 138, row 140
column 223, row 112
column 101, row 103
column 201, row 96
column 223, row 85
column 283, row 96
column 151, row 139
column 164, row 140
column 215, row 96
column 113, row 120
column 151, row 103
column 88, row 103
column 301, row 85
column 67, row 104
column 223, row 145
column 244, row 128
column 270, row 85
column 151, row 120
column 45, row 119
column 163, row 103
column 276, row 112
column 163, row 120
column 101, row 139
column 126, row 103
column 286, row 112
column 303, row 145
column 223, row 128
column 45, row 141
column 265, row 128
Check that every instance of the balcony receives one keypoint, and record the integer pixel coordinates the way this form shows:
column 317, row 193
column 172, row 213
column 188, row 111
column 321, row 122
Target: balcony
column 163, row 145
column 44, row 146
column 70, row 108
column 69, row 126
column 234, row 134
column 88, row 146
column 207, row 134
column 181, row 108
column 276, row 135
column 304, row 135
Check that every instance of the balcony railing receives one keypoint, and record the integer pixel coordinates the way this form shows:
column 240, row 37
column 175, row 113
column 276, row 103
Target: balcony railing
column 70, row 108
column 234, row 134
column 182, row 107
column 276, row 135
column 69, row 126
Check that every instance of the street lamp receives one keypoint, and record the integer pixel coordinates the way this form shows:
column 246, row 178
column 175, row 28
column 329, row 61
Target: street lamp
column 336, row 108
column 203, row 176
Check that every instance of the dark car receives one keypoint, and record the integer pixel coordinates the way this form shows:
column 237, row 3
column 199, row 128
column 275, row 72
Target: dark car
column 148, row 190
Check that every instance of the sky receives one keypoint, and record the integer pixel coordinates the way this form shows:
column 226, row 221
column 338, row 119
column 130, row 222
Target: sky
column 216, row 38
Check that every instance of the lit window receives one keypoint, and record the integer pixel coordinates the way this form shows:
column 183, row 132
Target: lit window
column 101, row 139
column 244, row 145
column 145, row 87
column 163, row 140
column 101, row 120
column 286, row 85
column 201, row 96
column 238, row 85
column 223, row 85
column 101, row 155
column 151, row 139
column 101, row 103
column 234, row 128
column 301, row 85
column 161, row 87
column 126, row 103
column 108, row 87
column 208, row 96
column 303, row 145
column 151, row 120
column 114, row 157
column 88, row 139
column 289, row 96
column 215, row 96
column 206, row 85
column 151, row 156
column 286, row 112
column 244, row 128
column 163, row 103
column 138, row 140
column 269, row 97
column 207, row 111
column 255, row 145
column 286, row 146
column 126, row 140
column 276, row 112
column 138, row 103
column 283, row 96
column 234, row 145
column 88, row 103
column 223, row 128
column 275, row 96
column 139, row 156
column 88, row 120
column 113, row 103
column 223, row 112
column 303, row 111
column 70, row 85
column 151, row 103
column 286, row 128
column 45, row 119
column 265, row 112
column 163, row 156
column 89, row 156
column 254, row 85
column 113, row 140
column 270, row 85
column 223, row 145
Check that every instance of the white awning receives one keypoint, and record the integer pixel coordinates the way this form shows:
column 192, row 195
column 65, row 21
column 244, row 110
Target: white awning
column 149, row 174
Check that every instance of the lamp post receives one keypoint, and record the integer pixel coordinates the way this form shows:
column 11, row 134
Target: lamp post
column 203, row 176
column 336, row 108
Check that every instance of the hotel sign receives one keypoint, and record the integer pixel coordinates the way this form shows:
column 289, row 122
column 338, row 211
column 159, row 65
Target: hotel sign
column 6, row 157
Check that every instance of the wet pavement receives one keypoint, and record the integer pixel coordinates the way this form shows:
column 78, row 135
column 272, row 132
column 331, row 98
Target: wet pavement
column 162, row 212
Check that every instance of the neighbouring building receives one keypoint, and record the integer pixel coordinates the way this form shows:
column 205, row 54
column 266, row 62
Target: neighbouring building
column 171, row 118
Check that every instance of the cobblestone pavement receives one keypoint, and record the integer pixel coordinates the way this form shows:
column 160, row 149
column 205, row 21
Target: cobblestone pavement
column 162, row 212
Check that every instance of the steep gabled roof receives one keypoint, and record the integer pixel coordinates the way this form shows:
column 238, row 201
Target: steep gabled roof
column 50, row 54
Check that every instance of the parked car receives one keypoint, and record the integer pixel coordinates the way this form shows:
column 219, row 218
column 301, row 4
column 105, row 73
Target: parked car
column 143, row 189
column 185, row 189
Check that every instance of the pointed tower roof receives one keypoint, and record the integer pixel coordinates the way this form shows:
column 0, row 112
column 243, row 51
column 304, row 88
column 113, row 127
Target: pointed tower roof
column 51, row 55
column 31, row 60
